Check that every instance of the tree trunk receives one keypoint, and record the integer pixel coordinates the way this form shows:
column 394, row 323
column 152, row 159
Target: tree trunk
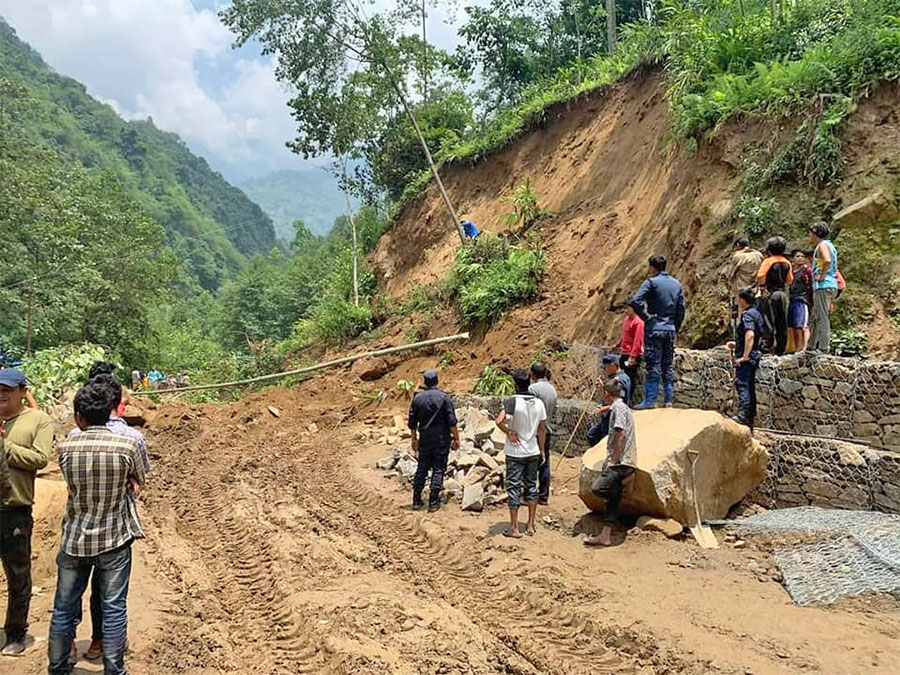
column 610, row 26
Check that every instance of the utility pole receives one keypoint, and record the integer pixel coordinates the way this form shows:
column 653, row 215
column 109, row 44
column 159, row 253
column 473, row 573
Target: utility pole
column 610, row 26
column 28, row 351
column 353, row 232
column 424, row 58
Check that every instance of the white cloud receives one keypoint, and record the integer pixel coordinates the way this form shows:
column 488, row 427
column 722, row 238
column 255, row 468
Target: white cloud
column 167, row 60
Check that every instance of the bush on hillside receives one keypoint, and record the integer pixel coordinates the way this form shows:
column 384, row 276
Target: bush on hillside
column 52, row 372
column 490, row 277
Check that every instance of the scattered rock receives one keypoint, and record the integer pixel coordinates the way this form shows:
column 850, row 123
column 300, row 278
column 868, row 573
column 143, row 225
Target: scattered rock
column 409, row 624
column 407, row 468
column 476, row 425
column 275, row 411
column 498, row 439
column 370, row 369
column 386, row 463
column 467, row 461
column 668, row 526
column 475, row 475
column 486, row 460
column 473, row 497
column 452, row 486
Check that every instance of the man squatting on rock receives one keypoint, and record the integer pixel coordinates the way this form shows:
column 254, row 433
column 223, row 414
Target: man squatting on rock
column 620, row 462
column 524, row 421
column 432, row 422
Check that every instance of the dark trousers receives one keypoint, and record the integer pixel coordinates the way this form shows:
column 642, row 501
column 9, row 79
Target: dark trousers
column 775, row 309
column 113, row 573
column 632, row 372
column 16, row 524
column 745, row 383
column 544, row 473
column 434, row 460
column 608, row 486
column 659, row 353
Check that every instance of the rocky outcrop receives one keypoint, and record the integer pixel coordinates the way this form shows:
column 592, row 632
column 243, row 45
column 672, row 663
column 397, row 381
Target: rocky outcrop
column 730, row 464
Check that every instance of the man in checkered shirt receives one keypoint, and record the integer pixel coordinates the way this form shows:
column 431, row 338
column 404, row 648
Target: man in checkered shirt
column 101, row 522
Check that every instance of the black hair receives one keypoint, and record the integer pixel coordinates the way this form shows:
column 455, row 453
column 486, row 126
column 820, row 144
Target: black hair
column 776, row 246
column 741, row 242
column 430, row 379
column 522, row 380
column 748, row 294
column 658, row 262
column 101, row 368
column 800, row 250
column 820, row 229
column 113, row 388
column 539, row 369
column 613, row 387
column 92, row 403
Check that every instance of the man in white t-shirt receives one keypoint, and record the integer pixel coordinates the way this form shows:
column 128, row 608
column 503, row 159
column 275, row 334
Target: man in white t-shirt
column 524, row 421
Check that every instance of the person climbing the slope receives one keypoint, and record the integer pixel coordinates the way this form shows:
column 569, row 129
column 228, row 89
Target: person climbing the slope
column 774, row 276
column 469, row 228
column 433, row 432
column 523, row 419
column 660, row 303
column 620, row 462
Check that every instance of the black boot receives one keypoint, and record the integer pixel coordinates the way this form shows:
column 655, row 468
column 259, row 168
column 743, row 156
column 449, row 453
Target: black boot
column 434, row 505
column 418, row 504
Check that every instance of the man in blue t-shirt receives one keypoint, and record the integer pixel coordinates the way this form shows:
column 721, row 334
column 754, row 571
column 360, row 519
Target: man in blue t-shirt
column 611, row 370
column 745, row 348
column 825, row 287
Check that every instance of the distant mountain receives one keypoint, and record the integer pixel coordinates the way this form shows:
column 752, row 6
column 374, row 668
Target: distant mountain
column 311, row 195
column 211, row 225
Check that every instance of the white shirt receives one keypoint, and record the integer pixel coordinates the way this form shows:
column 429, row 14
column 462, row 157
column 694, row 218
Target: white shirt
column 524, row 414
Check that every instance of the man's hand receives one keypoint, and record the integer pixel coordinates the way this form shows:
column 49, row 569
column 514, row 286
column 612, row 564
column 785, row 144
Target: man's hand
column 135, row 486
column 730, row 344
column 602, row 409
column 631, row 361
column 743, row 359
column 454, row 444
column 414, row 447
column 513, row 436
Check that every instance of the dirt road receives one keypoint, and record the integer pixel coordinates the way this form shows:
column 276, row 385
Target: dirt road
column 273, row 549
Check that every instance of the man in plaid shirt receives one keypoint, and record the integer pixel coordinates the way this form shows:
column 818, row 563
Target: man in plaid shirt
column 101, row 522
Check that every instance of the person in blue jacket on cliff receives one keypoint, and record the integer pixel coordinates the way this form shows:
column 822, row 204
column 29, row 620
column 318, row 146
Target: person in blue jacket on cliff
column 660, row 303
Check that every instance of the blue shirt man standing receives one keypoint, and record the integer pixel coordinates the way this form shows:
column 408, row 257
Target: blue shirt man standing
column 432, row 424
column 660, row 303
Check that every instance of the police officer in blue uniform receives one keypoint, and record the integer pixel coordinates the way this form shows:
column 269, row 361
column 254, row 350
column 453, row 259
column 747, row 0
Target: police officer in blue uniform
column 660, row 303
column 751, row 328
column 432, row 424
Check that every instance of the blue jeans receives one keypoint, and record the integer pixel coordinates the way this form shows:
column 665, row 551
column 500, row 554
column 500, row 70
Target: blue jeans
column 745, row 383
column 659, row 353
column 598, row 430
column 113, row 572
column 522, row 476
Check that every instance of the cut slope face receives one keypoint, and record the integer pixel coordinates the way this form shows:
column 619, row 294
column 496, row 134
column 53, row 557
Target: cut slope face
column 619, row 191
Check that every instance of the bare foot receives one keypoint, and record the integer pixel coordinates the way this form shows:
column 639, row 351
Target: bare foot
column 514, row 534
column 598, row 540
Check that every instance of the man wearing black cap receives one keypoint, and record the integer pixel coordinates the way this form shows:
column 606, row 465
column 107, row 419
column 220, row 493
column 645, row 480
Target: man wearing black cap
column 611, row 369
column 26, row 438
column 432, row 422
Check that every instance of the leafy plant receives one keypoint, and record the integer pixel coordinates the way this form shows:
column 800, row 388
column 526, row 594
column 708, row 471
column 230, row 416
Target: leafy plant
column 526, row 211
column 406, row 387
column 494, row 382
column 52, row 372
column 849, row 342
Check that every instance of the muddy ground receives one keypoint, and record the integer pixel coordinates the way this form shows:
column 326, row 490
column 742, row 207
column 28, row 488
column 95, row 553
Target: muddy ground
column 273, row 548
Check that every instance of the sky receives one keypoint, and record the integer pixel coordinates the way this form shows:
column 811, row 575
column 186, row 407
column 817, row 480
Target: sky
column 173, row 60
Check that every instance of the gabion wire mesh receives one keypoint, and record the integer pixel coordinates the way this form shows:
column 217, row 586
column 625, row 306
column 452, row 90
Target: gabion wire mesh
column 853, row 552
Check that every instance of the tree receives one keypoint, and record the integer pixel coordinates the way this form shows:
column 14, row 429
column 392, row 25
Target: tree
column 348, row 71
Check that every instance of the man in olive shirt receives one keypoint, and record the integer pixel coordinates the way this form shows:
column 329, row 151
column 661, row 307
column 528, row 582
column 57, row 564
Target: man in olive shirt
column 27, row 437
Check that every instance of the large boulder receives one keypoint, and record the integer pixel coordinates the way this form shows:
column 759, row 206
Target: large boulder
column 730, row 464
column 475, row 425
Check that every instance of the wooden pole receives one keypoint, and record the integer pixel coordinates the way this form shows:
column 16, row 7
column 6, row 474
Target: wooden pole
column 577, row 425
column 311, row 369
column 353, row 232
column 28, row 323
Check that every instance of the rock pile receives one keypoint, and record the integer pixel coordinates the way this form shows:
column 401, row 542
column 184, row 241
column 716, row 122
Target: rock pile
column 475, row 473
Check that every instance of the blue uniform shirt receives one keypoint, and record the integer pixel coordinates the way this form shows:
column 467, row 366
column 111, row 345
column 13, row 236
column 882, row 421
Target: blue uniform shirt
column 660, row 303
column 432, row 414
column 751, row 319
column 625, row 381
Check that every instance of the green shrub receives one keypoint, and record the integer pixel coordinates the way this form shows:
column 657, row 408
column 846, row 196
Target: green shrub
column 494, row 382
column 336, row 320
column 526, row 211
column 849, row 342
column 490, row 277
column 52, row 372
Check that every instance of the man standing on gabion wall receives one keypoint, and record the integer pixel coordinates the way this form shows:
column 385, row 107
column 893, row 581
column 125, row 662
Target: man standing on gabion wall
column 825, row 286
column 660, row 303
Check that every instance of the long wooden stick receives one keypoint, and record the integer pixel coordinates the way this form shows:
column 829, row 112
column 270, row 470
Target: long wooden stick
column 310, row 369
column 577, row 424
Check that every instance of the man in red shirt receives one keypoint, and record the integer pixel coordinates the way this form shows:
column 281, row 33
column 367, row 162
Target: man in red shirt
column 631, row 348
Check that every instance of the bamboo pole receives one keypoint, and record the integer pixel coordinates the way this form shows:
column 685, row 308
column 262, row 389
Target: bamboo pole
column 310, row 369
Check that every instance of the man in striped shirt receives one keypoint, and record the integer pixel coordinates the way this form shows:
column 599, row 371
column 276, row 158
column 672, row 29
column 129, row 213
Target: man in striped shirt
column 101, row 522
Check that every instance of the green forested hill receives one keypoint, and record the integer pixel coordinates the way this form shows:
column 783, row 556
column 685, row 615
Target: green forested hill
column 312, row 195
column 210, row 225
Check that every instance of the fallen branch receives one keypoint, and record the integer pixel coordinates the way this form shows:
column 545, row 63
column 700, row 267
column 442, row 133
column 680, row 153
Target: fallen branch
column 309, row 369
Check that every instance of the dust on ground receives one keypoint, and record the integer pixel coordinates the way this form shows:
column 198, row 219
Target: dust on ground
column 274, row 546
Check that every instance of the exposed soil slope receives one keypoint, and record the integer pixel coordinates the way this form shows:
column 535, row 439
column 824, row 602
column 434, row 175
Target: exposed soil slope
column 620, row 191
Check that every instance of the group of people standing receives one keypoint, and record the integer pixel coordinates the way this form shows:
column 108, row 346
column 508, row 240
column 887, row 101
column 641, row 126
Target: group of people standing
column 780, row 305
column 105, row 465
